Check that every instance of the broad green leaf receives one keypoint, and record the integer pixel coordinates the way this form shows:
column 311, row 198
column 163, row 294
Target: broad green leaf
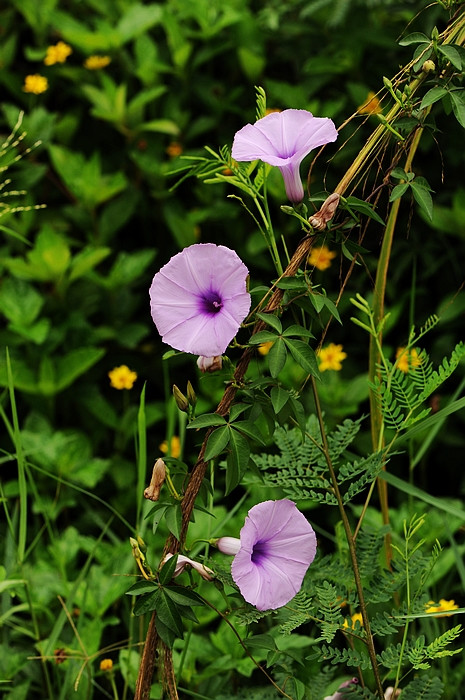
column 74, row 364
column 47, row 382
column 451, row 54
column 166, row 572
column 168, row 613
column 423, row 199
column 249, row 428
column 236, row 410
column 217, row 442
column 398, row 191
column 279, row 398
column 364, row 208
column 432, row 96
column 271, row 320
column 86, row 260
column 146, row 603
column 207, row 420
column 262, row 337
column 458, row 105
column 277, row 357
column 166, row 634
column 173, row 519
column 304, row 356
column 138, row 19
column 19, row 301
column 292, row 283
column 414, row 38
column 142, row 587
column 183, row 596
column 162, row 126
column 295, row 330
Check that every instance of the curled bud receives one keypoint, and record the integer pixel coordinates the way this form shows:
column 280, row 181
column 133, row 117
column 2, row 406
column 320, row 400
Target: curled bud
column 152, row 492
column 326, row 212
column 183, row 561
column 181, row 401
column 209, row 364
column 428, row 66
column 191, row 395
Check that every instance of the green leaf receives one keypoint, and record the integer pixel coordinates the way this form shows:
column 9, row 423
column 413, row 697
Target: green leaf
column 146, row 603
column 304, row 356
column 249, row 428
column 142, row 587
column 398, row 191
column 207, row 420
column 432, row 96
column 138, row 19
column 217, row 442
column 237, row 460
column 399, row 174
column 414, row 491
column 279, row 398
column 162, row 126
column 277, row 357
column 292, row 283
column 414, row 38
column 423, row 199
column 86, row 260
column 363, row 207
column 452, row 55
column 262, row 337
column 74, row 364
column 458, row 105
column 295, row 330
column 166, row 572
column 166, row 634
column 168, row 613
column 183, row 596
column 173, row 519
column 271, row 320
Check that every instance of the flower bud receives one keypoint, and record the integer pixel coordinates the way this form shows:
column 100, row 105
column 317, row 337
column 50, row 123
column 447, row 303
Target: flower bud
column 183, row 561
column 181, row 401
column 191, row 395
column 326, row 212
column 152, row 492
column 428, row 66
column 228, row 545
column 209, row 364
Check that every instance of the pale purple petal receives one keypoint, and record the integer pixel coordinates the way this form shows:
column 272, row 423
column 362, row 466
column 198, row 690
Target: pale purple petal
column 278, row 545
column 199, row 299
column 283, row 139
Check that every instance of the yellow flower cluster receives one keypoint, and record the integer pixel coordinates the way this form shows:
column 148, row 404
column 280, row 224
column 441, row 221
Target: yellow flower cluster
column 320, row 257
column 331, row 357
column 36, row 84
column 356, row 617
column 106, row 665
column 175, row 447
column 407, row 360
column 122, row 377
column 57, row 53
column 264, row 348
column 444, row 606
column 96, row 62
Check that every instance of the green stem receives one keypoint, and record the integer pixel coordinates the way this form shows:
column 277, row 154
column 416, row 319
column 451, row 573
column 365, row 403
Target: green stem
column 351, row 544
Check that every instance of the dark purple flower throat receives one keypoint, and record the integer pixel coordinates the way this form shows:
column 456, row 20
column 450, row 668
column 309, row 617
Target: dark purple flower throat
column 211, row 302
column 259, row 552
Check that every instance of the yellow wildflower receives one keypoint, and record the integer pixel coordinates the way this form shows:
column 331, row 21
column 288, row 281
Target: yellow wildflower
column 175, row 447
column 174, row 149
column 356, row 617
column 320, row 257
column 122, row 377
column 442, row 607
column 35, row 83
column 331, row 357
column 57, row 53
column 371, row 105
column 106, row 665
column 96, row 62
column 407, row 360
column 264, row 348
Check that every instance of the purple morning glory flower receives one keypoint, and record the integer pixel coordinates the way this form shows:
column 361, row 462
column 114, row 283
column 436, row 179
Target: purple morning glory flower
column 199, row 299
column 284, row 139
column 277, row 545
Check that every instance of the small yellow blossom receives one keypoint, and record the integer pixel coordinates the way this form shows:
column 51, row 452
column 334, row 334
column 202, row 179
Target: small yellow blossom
column 174, row 149
column 96, row 62
column 264, row 348
column 122, row 377
column 320, row 257
column 57, row 53
column 442, row 607
column 407, row 360
column 35, row 83
column 331, row 357
column 371, row 105
column 106, row 665
column 175, row 447
column 356, row 617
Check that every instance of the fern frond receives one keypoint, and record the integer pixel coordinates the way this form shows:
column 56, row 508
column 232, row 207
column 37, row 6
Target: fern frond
column 370, row 542
column 329, row 608
column 423, row 689
column 443, row 372
column 301, row 609
column 343, row 436
column 383, row 624
column 346, row 657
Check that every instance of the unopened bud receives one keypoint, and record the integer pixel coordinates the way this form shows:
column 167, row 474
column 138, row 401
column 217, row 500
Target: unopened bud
column 428, row 66
column 141, row 543
column 209, row 364
column 191, row 395
column 181, row 401
column 152, row 492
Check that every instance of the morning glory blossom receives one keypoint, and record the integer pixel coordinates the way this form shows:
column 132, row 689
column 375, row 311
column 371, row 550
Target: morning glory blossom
column 277, row 545
column 199, row 299
column 284, row 139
